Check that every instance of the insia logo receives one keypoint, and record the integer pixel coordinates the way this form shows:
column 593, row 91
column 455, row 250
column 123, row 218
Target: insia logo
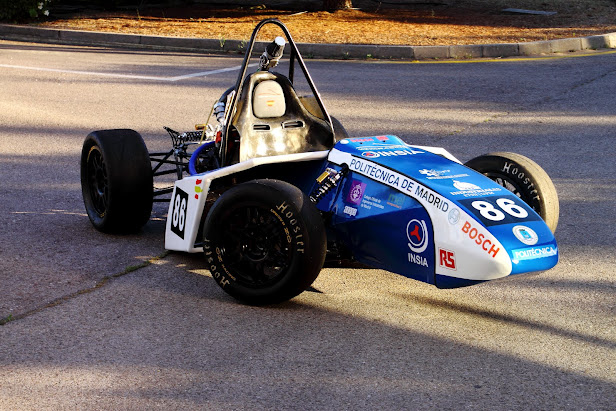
column 480, row 239
column 417, row 234
column 446, row 259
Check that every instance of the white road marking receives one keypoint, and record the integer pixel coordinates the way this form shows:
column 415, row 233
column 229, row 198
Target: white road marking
column 126, row 76
column 207, row 73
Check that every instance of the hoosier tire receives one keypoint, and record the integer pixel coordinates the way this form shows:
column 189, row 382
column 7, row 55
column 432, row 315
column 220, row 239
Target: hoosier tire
column 116, row 180
column 264, row 242
column 524, row 178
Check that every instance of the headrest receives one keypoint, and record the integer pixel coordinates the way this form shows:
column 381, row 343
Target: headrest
column 268, row 100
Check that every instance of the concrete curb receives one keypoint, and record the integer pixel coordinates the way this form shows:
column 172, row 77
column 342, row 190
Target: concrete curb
column 334, row 51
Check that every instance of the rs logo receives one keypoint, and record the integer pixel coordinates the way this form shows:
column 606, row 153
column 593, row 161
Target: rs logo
column 447, row 259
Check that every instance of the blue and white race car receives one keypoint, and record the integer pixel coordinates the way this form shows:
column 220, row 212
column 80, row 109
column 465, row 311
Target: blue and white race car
column 277, row 185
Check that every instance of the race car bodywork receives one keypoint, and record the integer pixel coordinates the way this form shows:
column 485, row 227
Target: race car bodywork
column 415, row 211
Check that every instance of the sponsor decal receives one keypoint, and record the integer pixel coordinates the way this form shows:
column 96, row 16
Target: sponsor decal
column 361, row 140
column 382, row 174
column 480, row 239
column 396, row 200
column 369, row 202
column 471, row 190
column 433, row 173
column 417, row 259
column 400, row 182
column 351, row 211
column 382, row 146
column 198, row 188
column 440, row 174
column 178, row 214
column 431, row 198
column 390, row 153
column 454, row 216
column 533, row 253
column 463, row 186
column 382, row 138
column 356, row 192
column 500, row 210
column 417, row 234
column 447, row 259
column 525, row 235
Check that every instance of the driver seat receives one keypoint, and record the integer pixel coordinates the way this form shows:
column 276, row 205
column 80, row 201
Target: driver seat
column 271, row 120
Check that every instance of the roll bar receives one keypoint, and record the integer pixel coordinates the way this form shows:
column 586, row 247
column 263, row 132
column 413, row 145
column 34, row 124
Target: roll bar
column 295, row 55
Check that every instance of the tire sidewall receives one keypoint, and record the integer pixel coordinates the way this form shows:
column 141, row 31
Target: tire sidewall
column 129, row 180
column 532, row 182
column 303, row 227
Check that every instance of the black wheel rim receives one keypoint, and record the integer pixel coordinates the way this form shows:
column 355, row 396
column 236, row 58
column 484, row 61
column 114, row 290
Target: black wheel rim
column 255, row 247
column 98, row 183
column 511, row 185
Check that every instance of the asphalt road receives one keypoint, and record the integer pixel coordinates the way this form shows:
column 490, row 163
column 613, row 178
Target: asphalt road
column 94, row 327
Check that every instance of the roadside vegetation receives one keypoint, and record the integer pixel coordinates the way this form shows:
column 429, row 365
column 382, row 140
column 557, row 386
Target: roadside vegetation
column 396, row 22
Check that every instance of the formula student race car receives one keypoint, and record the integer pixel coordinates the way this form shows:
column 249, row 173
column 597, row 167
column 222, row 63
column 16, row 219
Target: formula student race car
column 277, row 185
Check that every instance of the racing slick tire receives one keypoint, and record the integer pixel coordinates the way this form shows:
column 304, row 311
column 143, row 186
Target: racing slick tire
column 523, row 177
column 340, row 132
column 116, row 180
column 264, row 241
column 310, row 102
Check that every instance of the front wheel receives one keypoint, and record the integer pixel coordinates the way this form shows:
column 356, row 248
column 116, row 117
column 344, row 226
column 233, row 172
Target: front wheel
column 523, row 177
column 264, row 241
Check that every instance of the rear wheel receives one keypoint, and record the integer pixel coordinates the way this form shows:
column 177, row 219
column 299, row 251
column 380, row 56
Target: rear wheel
column 116, row 180
column 310, row 103
column 523, row 177
column 264, row 241
column 340, row 132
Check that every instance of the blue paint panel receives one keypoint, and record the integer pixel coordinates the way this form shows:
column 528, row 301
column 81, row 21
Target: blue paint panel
column 384, row 228
column 526, row 254
column 376, row 213
column 444, row 281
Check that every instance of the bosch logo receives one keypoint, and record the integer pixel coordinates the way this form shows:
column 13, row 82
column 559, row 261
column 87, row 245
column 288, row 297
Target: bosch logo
column 480, row 239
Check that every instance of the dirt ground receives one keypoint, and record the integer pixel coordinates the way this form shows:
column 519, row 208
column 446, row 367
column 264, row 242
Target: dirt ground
column 425, row 23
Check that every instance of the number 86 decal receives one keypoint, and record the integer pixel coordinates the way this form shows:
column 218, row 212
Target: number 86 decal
column 178, row 216
column 487, row 210
column 500, row 210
